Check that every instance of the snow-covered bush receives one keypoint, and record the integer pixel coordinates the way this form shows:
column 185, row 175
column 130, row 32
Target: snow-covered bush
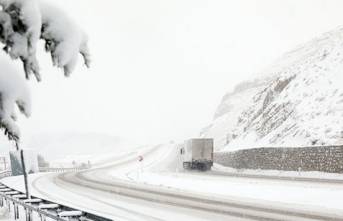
column 22, row 24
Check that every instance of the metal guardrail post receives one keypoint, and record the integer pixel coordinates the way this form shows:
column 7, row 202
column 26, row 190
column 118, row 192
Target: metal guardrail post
column 42, row 217
column 16, row 211
column 8, row 205
column 37, row 205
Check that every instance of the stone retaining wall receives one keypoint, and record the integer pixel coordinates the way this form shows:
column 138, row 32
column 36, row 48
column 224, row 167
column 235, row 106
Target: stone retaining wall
column 321, row 158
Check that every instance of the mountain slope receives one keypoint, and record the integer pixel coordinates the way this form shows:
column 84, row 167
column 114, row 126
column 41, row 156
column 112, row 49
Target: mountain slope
column 298, row 101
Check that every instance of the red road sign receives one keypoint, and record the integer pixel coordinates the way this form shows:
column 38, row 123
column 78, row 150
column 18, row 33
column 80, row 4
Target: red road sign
column 140, row 158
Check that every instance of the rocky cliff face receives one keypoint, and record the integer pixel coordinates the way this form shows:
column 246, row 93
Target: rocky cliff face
column 298, row 101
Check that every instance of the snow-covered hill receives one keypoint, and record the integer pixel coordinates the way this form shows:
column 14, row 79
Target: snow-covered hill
column 298, row 101
column 63, row 148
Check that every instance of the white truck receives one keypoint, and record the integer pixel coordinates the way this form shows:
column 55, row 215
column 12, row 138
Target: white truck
column 197, row 154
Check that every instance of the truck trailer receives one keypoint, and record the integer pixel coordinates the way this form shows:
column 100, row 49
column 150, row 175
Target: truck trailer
column 197, row 154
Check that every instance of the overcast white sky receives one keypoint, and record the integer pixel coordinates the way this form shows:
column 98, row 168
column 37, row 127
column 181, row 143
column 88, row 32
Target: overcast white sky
column 160, row 68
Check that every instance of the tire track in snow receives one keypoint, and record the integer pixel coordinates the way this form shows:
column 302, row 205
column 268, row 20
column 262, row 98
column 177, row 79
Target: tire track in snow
column 80, row 193
column 72, row 203
column 51, row 197
column 167, row 197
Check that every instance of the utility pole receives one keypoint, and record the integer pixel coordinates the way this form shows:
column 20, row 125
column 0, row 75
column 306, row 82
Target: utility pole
column 28, row 196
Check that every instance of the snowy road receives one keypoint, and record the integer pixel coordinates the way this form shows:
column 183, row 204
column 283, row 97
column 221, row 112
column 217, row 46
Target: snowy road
column 114, row 206
column 195, row 201
column 118, row 192
column 56, row 187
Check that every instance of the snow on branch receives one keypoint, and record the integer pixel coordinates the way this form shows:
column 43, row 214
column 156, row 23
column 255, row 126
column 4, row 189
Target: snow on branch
column 22, row 24
column 63, row 39
column 13, row 93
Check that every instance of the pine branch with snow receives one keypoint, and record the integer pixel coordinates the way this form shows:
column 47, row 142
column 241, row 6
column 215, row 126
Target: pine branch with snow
column 22, row 24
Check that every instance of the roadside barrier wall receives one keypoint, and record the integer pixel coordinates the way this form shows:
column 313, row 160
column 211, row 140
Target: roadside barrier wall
column 315, row 158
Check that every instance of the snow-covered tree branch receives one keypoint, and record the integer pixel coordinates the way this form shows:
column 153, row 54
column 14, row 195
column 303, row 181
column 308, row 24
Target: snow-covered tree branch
column 22, row 24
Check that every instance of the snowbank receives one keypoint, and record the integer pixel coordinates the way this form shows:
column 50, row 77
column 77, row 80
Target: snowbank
column 279, row 173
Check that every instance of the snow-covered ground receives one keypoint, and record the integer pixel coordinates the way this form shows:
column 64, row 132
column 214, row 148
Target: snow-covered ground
column 160, row 169
column 47, row 185
column 318, row 196
column 296, row 194
column 4, row 214
column 280, row 173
